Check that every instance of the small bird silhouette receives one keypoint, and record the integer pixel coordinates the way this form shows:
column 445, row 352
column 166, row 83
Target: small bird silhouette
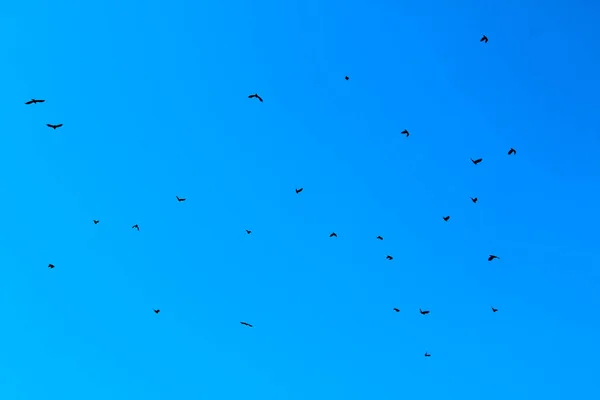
column 255, row 95
column 491, row 257
column 512, row 151
column 484, row 39
column 389, row 257
column 346, row 78
column 397, row 309
column 446, row 218
column 299, row 190
column 156, row 311
column 494, row 309
column 423, row 312
column 96, row 221
column 405, row 132
column 473, row 199
column 427, row 354
column 180, row 199
column 379, row 238
column 54, row 126
column 476, row 161
column 34, row 101
column 248, row 232
column 247, row 324
column 333, row 234
column 136, row 227
column 50, row 266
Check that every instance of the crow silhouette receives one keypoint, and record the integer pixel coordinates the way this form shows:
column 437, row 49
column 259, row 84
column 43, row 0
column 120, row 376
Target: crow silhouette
column 50, row 266
column 476, row 161
column 491, row 257
column 494, row 309
column 379, row 238
column 180, row 199
column 484, row 39
column 96, row 221
column 473, row 199
column 333, row 234
column 389, row 258
column 34, row 101
column 255, row 95
column 446, row 218
column 54, row 126
column 423, row 312
column 397, row 309
column 405, row 132
column 512, row 151
column 299, row 190
column 427, row 354
column 136, row 227
column 247, row 324
column 156, row 311
column 248, row 232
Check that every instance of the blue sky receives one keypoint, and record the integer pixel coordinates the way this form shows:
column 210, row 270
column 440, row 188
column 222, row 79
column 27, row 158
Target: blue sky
column 153, row 98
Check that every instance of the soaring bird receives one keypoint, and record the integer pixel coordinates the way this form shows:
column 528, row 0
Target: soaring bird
column 423, row 312
column 247, row 324
column 346, row 78
column 389, row 258
column 484, row 39
column 96, row 221
column 333, row 234
column 405, row 132
column 136, row 227
column 379, row 238
column 299, row 190
column 491, row 257
column 50, row 266
column 156, row 311
column 476, row 161
column 427, row 354
column 248, row 232
column 180, row 199
column 54, row 126
column 512, row 151
column 397, row 309
column 494, row 309
column 255, row 95
column 34, row 101
column 446, row 218
column 473, row 199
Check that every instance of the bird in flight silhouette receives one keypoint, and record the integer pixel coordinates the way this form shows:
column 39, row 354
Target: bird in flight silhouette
column 248, row 232
column 333, row 234
column 476, row 161
column 405, row 132
column 255, row 95
column 136, row 227
column 491, row 257
column 494, row 309
column 484, row 39
column 379, row 238
column 180, row 199
column 34, row 101
column 299, row 190
column 423, row 312
column 96, row 221
column 346, row 78
column 473, row 199
column 54, row 126
column 156, row 311
column 427, row 354
column 512, row 151
column 389, row 258
column 397, row 309
column 446, row 218
column 50, row 266
column 247, row 324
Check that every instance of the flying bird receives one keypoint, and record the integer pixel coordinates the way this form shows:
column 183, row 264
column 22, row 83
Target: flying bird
column 491, row 257
column 255, row 95
column 405, row 132
column 423, row 312
column 333, row 234
column 54, row 126
column 389, row 257
column 248, row 232
column 247, row 324
column 50, row 266
column 96, row 221
column 397, row 309
column 427, row 354
column 476, row 161
column 494, row 309
column 346, row 78
column 136, row 227
column 379, row 238
column 512, row 151
column 180, row 199
column 473, row 199
column 156, row 311
column 484, row 39
column 34, row 101
column 446, row 218
column 299, row 190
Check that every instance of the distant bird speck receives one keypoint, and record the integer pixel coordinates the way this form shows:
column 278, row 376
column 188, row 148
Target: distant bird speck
column 333, row 234
column 389, row 258
column 51, row 266
column 156, row 311
column 476, row 161
column 427, row 354
column 491, row 257
column 247, row 324
column 446, row 218
column 346, row 78
column 405, row 132
column 248, row 232
column 473, row 199
column 513, row 151
column 96, row 221
column 484, row 39
column 180, row 199
column 379, row 238
column 54, row 126
column 423, row 312
column 397, row 309
column 299, row 190
column 255, row 96
column 34, row 101
column 136, row 227
column 494, row 309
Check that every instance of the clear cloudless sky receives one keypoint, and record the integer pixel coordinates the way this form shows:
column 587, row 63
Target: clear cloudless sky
column 153, row 96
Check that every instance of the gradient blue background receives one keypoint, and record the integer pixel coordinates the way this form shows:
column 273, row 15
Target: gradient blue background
column 153, row 97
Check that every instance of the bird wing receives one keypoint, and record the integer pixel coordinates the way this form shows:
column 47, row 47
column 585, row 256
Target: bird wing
column 50, row 125
column 59, row 125
column 41, row 101
column 260, row 98
column 29, row 102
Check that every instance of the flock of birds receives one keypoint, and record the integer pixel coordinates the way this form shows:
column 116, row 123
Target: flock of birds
column 446, row 218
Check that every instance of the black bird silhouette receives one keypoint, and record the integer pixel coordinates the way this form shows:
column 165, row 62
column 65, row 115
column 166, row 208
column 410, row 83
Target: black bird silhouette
column 333, row 234
column 484, row 39
column 248, row 232
column 446, row 218
column 96, row 221
column 255, row 95
column 476, row 161
column 346, row 78
column 247, row 324
column 473, row 199
column 512, row 151
column 34, row 101
column 389, row 257
column 491, row 257
column 405, row 132
column 50, row 266
column 54, row 126
column 494, row 309
column 379, row 238
column 423, row 312
column 427, row 354
column 299, row 190
column 156, row 311
column 136, row 227
column 397, row 309
column 180, row 199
